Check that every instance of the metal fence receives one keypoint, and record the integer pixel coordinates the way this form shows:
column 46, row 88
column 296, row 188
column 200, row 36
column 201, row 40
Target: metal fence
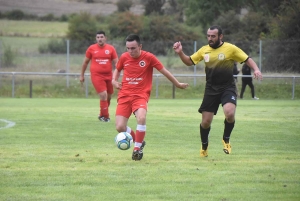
column 39, row 82
column 23, row 64
column 29, row 54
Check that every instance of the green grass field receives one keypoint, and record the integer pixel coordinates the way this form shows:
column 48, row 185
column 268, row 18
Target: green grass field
column 58, row 150
column 33, row 28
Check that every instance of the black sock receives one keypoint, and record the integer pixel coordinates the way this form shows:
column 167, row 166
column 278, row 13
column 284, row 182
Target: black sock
column 228, row 127
column 204, row 137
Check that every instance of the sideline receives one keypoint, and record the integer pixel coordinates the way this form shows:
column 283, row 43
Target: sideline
column 9, row 124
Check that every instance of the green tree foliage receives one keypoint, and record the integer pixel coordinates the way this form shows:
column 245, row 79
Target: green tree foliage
column 203, row 12
column 124, row 5
column 81, row 31
column 283, row 55
column 270, row 7
column 82, row 27
column 156, row 31
column 153, row 6
column 125, row 23
column 242, row 31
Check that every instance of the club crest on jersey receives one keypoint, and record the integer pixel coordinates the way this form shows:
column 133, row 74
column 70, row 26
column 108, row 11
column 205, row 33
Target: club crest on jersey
column 221, row 56
column 142, row 63
column 106, row 51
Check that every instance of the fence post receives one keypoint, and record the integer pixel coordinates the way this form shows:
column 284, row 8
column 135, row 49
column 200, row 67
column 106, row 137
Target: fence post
column 68, row 62
column 86, row 88
column 293, row 89
column 195, row 49
column 260, row 53
column 13, row 85
column 173, row 91
column 30, row 88
column 156, row 86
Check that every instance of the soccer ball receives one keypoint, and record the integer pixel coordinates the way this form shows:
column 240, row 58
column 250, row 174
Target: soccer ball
column 123, row 140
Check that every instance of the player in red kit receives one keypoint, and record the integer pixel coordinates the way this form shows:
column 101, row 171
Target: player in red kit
column 102, row 56
column 134, row 90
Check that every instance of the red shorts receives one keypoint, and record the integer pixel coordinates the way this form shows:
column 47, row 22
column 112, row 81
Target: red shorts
column 129, row 104
column 101, row 84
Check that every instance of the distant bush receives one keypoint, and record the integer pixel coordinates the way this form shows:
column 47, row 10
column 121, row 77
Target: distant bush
column 124, row 5
column 54, row 46
column 20, row 15
column 8, row 57
column 15, row 15
column 48, row 17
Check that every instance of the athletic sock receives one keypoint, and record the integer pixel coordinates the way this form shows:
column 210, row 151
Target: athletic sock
column 228, row 127
column 204, row 133
column 139, row 136
column 104, row 108
column 129, row 130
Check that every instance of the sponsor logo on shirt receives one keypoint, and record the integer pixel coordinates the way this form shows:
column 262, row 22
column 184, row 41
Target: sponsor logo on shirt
column 133, row 80
column 142, row 63
column 106, row 51
column 102, row 61
column 206, row 57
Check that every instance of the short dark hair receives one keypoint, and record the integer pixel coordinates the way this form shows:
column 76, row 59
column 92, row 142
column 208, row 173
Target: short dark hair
column 217, row 27
column 100, row 32
column 133, row 37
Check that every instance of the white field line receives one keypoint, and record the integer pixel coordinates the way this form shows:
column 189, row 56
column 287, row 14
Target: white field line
column 8, row 123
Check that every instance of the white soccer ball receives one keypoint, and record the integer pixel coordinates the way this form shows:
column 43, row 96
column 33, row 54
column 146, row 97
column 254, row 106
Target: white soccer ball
column 123, row 140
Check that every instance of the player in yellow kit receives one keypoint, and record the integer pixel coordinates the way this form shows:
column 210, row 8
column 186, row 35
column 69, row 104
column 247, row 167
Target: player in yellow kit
column 220, row 88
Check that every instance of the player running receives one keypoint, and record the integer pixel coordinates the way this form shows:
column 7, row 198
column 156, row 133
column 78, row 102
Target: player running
column 134, row 91
column 220, row 87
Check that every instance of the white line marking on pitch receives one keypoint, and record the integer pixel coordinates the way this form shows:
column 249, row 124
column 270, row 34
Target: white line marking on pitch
column 8, row 124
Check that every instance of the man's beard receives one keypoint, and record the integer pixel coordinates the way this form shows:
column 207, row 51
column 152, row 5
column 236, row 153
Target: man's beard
column 216, row 44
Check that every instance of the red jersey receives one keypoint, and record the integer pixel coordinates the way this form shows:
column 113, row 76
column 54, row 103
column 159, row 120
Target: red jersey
column 137, row 74
column 101, row 59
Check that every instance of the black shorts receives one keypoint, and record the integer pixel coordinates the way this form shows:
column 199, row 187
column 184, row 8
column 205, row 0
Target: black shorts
column 211, row 103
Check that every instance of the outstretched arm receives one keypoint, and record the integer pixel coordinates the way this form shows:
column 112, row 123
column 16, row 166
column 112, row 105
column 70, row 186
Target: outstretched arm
column 251, row 63
column 170, row 77
column 184, row 58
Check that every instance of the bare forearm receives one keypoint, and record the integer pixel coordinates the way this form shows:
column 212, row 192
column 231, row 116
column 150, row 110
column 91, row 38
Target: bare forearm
column 169, row 76
column 250, row 62
column 185, row 59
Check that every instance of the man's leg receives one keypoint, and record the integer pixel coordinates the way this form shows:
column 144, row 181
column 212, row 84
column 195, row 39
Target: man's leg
column 229, row 111
column 104, row 112
column 207, row 118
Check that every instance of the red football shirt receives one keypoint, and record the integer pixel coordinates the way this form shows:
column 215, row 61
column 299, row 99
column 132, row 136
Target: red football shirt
column 101, row 59
column 137, row 73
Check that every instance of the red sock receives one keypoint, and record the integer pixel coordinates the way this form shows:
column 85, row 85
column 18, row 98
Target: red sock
column 133, row 135
column 139, row 138
column 104, row 109
column 100, row 113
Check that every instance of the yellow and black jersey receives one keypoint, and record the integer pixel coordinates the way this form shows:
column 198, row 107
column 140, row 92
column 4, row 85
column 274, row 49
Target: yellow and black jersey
column 219, row 63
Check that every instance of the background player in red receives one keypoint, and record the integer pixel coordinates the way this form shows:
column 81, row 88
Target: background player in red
column 135, row 89
column 102, row 56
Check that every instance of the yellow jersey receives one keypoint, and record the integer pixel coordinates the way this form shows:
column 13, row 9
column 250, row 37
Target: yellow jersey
column 219, row 63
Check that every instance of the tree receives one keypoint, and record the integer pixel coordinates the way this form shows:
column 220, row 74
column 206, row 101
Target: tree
column 203, row 12
column 153, row 6
column 283, row 54
column 82, row 27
